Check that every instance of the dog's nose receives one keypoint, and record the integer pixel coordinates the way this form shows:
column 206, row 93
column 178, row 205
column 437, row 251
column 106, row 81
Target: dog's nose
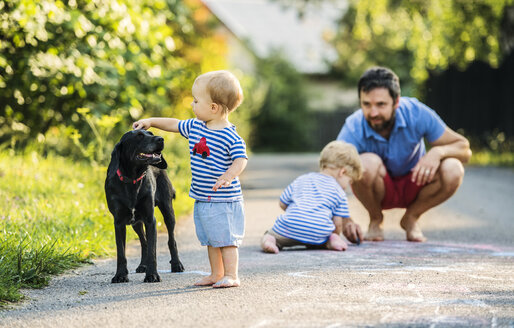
column 159, row 140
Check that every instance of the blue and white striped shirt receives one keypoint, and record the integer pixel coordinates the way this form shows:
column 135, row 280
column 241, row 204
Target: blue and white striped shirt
column 212, row 152
column 312, row 200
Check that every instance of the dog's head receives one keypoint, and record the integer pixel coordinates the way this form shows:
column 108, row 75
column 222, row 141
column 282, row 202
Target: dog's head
column 140, row 147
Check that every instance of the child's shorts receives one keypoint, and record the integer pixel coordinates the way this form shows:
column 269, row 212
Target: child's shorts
column 219, row 224
column 400, row 192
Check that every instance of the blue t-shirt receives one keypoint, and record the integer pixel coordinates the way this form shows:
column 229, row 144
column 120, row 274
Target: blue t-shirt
column 405, row 146
column 312, row 200
column 212, row 152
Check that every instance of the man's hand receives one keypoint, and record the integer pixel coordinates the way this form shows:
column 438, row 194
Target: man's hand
column 426, row 168
column 450, row 144
column 352, row 231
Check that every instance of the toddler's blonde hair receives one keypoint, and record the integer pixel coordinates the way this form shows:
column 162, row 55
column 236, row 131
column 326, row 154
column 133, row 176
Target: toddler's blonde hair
column 339, row 154
column 223, row 88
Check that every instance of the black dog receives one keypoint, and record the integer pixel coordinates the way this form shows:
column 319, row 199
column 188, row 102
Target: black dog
column 137, row 182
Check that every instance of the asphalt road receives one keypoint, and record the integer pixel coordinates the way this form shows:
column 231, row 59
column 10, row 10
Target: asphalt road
column 462, row 277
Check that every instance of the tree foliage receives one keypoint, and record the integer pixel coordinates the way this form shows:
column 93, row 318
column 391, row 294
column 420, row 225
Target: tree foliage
column 66, row 64
column 282, row 121
column 416, row 37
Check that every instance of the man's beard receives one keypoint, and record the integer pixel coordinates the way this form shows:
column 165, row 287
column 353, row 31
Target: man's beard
column 385, row 125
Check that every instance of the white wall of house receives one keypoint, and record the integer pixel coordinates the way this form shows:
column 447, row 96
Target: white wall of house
column 257, row 27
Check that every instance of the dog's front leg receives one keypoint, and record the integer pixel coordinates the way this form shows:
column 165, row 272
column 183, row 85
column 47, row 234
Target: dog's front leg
column 121, row 267
column 151, row 236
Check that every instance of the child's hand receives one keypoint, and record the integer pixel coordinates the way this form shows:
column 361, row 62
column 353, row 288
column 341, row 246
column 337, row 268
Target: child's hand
column 223, row 182
column 142, row 124
column 352, row 231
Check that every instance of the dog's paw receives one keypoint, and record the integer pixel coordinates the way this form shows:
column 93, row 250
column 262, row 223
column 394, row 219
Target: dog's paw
column 141, row 268
column 119, row 278
column 152, row 278
column 177, row 267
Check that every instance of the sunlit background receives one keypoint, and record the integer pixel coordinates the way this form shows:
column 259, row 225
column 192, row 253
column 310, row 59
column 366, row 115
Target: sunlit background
column 75, row 74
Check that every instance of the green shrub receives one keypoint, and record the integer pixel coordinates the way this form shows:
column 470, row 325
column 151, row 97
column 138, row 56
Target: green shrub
column 118, row 59
column 282, row 121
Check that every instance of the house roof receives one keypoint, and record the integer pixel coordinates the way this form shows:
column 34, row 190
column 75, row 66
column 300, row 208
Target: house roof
column 269, row 25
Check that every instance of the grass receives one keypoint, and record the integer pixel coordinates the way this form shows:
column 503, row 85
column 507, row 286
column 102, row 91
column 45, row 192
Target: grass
column 54, row 217
column 492, row 149
column 490, row 158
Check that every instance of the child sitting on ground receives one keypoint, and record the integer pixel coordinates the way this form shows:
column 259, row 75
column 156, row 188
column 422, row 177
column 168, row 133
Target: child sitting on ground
column 218, row 156
column 315, row 204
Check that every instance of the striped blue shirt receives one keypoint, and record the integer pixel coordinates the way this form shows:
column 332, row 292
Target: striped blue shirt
column 312, row 200
column 212, row 152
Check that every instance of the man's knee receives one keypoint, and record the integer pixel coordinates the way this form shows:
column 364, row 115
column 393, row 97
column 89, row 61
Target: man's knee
column 452, row 173
column 373, row 168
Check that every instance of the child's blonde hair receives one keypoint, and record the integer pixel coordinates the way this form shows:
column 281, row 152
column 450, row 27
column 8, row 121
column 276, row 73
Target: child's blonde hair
column 223, row 88
column 339, row 154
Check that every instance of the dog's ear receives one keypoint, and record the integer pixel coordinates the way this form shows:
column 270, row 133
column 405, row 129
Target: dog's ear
column 162, row 164
column 115, row 159
column 116, row 153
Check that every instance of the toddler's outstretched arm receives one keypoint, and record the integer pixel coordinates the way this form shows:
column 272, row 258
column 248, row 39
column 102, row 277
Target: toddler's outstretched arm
column 162, row 123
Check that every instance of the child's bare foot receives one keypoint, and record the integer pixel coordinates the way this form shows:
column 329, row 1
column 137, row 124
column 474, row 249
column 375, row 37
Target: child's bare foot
column 375, row 232
column 207, row 281
column 226, row 282
column 336, row 243
column 411, row 227
column 269, row 244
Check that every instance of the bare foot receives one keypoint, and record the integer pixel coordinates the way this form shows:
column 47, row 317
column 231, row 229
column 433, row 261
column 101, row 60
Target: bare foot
column 336, row 243
column 411, row 227
column 206, row 281
column 226, row 282
column 269, row 244
column 375, row 232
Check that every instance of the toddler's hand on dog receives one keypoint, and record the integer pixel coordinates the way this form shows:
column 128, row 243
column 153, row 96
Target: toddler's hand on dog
column 141, row 124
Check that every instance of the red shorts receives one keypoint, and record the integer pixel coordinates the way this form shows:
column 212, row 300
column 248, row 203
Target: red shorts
column 400, row 192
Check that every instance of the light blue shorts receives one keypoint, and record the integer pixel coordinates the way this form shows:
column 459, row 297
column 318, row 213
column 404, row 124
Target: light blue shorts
column 219, row 224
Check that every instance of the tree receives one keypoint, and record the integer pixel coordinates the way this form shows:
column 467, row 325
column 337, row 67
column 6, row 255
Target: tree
column 282, row 121
column 110, row 59
column 415, row 37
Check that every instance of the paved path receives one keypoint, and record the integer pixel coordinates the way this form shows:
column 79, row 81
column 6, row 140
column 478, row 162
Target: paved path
column 462, row 277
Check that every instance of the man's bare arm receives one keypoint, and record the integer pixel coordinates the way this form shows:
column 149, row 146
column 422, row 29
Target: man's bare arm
column 450, row 144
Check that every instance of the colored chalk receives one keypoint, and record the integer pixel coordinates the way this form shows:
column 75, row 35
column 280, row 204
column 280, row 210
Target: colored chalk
column 358, row 240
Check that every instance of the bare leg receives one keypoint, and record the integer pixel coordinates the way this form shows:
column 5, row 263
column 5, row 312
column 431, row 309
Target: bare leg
column 230, row 255
column 269, row 244
column 370, row 191
column 217, row 269
column 445, row 184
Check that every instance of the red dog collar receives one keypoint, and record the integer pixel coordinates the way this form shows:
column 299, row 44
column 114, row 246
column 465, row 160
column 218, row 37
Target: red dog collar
column 128, row 180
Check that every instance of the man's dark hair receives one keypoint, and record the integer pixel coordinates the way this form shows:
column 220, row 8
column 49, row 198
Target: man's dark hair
column 380, row 77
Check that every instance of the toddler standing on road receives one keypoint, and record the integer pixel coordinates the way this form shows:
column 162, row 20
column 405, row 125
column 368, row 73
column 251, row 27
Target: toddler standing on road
column 218, row 157
column 315, row 204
